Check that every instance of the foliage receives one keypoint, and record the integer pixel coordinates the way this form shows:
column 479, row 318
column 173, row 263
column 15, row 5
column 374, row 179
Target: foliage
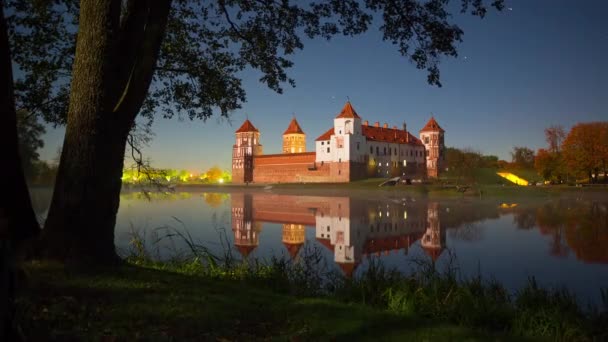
column 29, row 131
column 522, row 157
column 489, row 161
column 45, row 173
column 463, row 163
column 213, row 175
column 585, row 149
column 547, row 164
column 555, row 136
column 208, row 43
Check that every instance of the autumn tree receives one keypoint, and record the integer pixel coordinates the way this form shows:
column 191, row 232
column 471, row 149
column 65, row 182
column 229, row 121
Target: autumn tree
column 180, row 58
column 214, row 173
column 555, row 136
column 548, row 162
column 584, row 149
column 522, row 157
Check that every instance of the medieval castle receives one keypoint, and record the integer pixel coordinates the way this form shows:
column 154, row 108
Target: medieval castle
column 348, row 151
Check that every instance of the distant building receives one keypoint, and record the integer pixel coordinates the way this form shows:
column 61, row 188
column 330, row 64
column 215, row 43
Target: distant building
column 348, row 151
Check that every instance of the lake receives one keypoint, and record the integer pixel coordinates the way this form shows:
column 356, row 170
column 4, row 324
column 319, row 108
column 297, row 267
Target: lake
column 561, row 242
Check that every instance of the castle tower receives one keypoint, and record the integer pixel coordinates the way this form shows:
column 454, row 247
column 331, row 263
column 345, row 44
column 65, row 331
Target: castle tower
column 247, row 145
column 433, row 240
column 293, row 238
column 348, row 121
column 294, row 139
column 246, row 231
column 432, row 136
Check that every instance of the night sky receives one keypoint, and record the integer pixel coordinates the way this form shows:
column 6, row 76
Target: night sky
column 536, row 64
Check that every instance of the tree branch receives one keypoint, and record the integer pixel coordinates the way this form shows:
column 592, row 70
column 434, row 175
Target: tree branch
column 140, row 76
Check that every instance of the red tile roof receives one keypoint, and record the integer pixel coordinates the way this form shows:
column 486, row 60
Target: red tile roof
column 327, row 135
column 293, row 128
column 389, row 135
column 247, row 126
column 348, row 112
column 373, row 133
column 432, row 126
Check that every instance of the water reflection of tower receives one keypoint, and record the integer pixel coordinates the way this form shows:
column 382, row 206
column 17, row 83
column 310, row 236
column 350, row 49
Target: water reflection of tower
column 333, row 229
column 294, row 236
column 433, row 240
column 246, row 232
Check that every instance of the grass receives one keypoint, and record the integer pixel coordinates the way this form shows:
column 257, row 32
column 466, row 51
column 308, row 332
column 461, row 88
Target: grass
column 199, row 298
column 134, row 302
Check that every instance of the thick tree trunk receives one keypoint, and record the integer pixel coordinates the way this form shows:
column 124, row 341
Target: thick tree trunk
column 80, row 224
column 15, row 204
column 104, row 101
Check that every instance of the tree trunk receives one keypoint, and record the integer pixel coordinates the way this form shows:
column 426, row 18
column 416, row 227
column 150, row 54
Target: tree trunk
column 15, row 204
column 80, row 224
column 105, row 97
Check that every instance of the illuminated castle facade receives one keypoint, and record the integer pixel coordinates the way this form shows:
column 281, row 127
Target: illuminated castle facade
column 352, row 149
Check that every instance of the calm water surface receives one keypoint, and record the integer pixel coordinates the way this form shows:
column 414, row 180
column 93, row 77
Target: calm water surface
column 560, row 242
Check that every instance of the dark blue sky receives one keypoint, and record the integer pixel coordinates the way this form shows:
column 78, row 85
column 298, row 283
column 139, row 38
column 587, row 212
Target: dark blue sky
column 539, row 63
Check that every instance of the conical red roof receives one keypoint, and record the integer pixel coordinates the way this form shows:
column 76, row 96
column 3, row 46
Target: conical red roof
column 247, row 126
column 348, row 268
column 432, row 126
column 348, row 112
column 294, row 128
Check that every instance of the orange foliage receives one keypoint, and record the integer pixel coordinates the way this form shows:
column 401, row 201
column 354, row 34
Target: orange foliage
column 585, row 149
column 544, row 163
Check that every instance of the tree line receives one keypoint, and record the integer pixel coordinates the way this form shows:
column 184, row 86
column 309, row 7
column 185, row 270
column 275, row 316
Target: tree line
column 580, row 155
column 162, row 176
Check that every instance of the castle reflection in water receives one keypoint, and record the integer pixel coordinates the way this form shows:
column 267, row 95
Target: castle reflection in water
column 351, row 229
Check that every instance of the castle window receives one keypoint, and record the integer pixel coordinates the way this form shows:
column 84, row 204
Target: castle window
column 385, row 151
column 327, row 228
column 357, row 146
column 340, row 132
column 322, row 142
column 371, row 150
column 426, row 140
column 328, row 150
column 377, row 150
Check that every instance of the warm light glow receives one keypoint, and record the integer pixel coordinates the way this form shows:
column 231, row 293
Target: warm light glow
column 221, row 180
column 405, row 215
column 512, row 178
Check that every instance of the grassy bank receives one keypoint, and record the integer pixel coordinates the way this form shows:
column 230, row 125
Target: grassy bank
column 194, row 300
column 369, row 187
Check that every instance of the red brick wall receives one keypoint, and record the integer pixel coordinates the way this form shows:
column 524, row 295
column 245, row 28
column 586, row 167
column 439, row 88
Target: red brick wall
column 298, row 168
column 287, row 168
